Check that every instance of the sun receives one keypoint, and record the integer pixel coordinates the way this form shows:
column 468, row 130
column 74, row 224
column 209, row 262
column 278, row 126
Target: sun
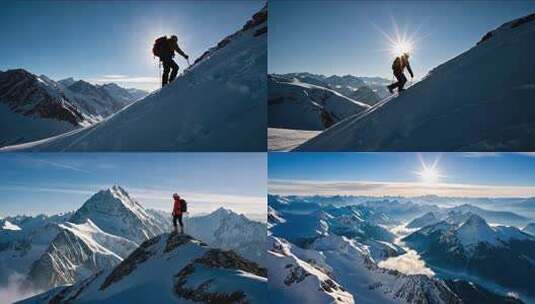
column 429, row 174
column 400, row 47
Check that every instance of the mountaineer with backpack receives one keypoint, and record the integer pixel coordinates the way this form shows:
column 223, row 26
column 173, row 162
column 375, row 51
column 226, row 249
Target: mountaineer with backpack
column 164, row 49
column 180, row 206
column 398, row 66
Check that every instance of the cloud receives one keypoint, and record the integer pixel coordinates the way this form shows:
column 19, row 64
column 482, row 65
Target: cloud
column 56, row 164
column 371, row 188
column 409, row 263
column 124, row 79
column 16, row 290
column 201, row 202
column 481, row 154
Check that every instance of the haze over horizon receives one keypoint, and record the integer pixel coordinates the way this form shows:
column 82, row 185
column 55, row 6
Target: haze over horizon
column 473, row 175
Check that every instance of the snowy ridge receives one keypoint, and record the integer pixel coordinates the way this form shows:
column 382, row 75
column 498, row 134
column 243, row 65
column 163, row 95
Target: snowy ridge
column 227, row 230
column 34, row 107
column 497, row 119
column 217, row 104
column 166, row 269
column 475, row 250
column 297, row 105
column 77, row 252
column 115, row 212
column 293, row 279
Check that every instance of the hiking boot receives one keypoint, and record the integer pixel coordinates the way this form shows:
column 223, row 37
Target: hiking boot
column 390, row 89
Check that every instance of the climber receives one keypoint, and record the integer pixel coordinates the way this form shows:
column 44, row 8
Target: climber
column 398, row 66
column 165, row 50
column 179, row 208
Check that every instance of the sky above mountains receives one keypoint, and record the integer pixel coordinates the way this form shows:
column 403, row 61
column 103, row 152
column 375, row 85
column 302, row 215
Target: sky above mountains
column 405, row 174
column 350, row 37
column 111, row 41
column 51, row 183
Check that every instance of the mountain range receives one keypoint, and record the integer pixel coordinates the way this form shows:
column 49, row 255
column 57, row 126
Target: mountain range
column 106, row 230
column 344, row 253
column 35, row 107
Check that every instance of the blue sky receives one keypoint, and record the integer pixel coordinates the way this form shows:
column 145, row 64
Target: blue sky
column 55, row 182
column 458, row 174
column 95, row 39
column 346, row 37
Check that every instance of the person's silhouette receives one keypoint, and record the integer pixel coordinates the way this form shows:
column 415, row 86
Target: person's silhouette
column 398, row 66
column 167, row 54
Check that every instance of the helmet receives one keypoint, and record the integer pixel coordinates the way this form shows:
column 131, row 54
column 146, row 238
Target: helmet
column 176, row 196
column 174, row 37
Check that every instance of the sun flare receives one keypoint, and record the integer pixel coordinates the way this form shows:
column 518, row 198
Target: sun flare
column 401, row 47
column 429, row 174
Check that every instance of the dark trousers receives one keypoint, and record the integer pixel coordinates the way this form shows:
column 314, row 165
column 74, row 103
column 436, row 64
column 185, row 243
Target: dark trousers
column 179, row 218
column 400, row 83
column 169, row 65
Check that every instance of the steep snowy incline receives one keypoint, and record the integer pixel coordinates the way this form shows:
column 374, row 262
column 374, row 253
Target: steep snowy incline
column 217, row 105
column 77, row 252
column 480, row 100
column 297, row 105
column 169, row 268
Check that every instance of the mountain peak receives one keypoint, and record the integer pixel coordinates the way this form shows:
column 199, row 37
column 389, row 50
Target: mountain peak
column 476, row 230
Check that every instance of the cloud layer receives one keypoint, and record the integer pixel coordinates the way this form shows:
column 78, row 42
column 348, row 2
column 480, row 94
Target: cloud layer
column 371, row 188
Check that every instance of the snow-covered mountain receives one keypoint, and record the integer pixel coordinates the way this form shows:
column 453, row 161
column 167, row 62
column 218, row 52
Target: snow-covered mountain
column 217, row 104
column 346, row 85
column 296, row 105
column 460, row 213
column 77, row 252
column 336, row 269
column 35, row 107
column 169, row 268
column 502, row 255
column 477, row 101
column 108, row 227
column 333, row 254
column 227, row 230
column 31, row 109
column 66, row 249
column 23, row 239
column 115, row 212
column 425, row 220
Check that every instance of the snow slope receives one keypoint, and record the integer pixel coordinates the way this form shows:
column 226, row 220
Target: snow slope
column 169, row 268
column 218, row 104
column 287, row 139
column 24, row 241
column 297, row 105
column 480, row 100
column 77, row 252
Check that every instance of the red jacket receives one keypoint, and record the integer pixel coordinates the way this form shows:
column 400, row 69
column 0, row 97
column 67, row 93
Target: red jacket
column 176, row 207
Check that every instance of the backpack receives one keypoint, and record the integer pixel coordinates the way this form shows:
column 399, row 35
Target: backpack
column 183, row 206
column 396, row 65
column 159, row 46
